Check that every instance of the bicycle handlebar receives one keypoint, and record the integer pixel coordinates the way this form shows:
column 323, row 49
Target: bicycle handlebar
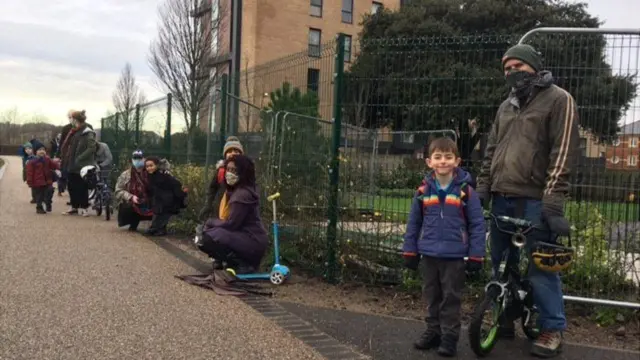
column 522, row 223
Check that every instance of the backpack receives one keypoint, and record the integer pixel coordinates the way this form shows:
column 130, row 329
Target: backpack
column 465, row 190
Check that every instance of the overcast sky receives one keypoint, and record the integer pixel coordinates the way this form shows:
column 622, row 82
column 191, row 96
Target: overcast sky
column 56, row 55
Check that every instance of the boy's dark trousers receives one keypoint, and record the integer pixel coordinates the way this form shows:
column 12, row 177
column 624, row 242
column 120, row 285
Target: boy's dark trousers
column 443, row 285
column 43, row 195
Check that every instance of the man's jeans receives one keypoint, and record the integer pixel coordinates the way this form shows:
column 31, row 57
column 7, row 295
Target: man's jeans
column 547, row 287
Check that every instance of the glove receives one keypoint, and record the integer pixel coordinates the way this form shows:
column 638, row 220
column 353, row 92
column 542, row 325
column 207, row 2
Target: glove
column 553, row 215
column 411, row 261
column 219, row 164
column 485, row 199
column 474, row 265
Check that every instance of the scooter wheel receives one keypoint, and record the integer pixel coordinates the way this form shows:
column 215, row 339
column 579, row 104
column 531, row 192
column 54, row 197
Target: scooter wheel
column 277, row 277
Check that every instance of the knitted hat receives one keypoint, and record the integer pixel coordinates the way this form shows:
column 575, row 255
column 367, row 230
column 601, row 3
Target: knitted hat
column 137, row 154
column 27, row 145
column 232, row 143
column 37, row 145
column 526, row 54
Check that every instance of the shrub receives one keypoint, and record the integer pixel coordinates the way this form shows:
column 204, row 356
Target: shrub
column 191, row 177
column 594, row 270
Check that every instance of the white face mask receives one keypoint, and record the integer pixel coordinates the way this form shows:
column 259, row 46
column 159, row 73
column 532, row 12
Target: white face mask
column 231, row 178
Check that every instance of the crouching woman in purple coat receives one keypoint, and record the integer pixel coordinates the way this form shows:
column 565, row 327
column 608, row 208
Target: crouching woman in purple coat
column 236, row 238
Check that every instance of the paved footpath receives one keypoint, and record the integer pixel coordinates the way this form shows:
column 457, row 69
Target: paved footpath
column 79, row 288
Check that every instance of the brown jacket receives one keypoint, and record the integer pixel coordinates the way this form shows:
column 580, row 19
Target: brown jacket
column 530, row 149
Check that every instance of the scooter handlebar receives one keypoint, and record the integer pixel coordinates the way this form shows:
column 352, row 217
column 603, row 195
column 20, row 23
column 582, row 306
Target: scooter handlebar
column 273, row 196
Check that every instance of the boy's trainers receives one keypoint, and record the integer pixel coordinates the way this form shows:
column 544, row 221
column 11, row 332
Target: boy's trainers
column 83, row 212
column 448, row 347
column 40, row 211
column 429, row 340
column 48, row 207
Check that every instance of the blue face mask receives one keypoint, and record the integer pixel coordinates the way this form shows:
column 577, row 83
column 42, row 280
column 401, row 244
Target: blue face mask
column 137, row 163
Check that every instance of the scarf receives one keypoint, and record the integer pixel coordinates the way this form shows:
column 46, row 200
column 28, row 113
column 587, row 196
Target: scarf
column 66, row 143
column 138, row 186
column 224, row 210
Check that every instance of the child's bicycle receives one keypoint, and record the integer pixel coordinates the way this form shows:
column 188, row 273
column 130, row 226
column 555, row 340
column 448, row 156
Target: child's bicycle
column 99, row 192
column 508, row 296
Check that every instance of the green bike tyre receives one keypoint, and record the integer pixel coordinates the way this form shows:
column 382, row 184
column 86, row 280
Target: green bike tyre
column 481, row 344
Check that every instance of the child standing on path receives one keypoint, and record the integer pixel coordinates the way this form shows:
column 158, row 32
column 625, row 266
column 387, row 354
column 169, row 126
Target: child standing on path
column 446, row 224
column 27, row 154
column 40, row 172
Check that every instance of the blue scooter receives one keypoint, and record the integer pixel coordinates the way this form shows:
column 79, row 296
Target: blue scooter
column 279, row 273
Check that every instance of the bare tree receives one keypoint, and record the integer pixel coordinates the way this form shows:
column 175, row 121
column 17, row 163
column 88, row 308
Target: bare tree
column 125, row 98
column 180, row 57
column 9, row 125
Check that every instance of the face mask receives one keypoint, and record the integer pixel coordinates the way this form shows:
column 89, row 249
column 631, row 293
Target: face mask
column 137, row 163
column 520, row 80
column 231, row 178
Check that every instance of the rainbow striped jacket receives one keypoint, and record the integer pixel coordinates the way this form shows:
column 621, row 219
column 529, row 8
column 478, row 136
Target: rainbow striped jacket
column 446, row 223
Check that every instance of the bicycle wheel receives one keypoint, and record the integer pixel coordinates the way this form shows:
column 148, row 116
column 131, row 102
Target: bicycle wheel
column 481, row 340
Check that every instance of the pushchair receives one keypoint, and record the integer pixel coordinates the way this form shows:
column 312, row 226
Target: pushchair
column 99, row 192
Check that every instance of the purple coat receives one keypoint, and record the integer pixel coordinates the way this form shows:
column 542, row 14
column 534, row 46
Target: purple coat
column 243, row 231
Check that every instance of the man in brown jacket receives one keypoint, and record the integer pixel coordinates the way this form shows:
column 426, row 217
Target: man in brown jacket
column 526, row 172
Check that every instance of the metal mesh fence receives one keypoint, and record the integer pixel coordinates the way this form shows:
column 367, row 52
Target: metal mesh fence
column 404, row 88
column 397, row 95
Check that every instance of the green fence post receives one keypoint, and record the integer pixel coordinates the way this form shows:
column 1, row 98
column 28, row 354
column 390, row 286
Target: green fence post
column 334, row 171
column 137, row 125
column 223, row 109
column 167, row 135
column 102, row 129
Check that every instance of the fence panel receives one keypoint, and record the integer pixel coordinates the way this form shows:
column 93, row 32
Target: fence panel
column 285, row 106
column 409, row 85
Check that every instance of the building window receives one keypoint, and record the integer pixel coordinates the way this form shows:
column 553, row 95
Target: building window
column 347, row 48
column 375, row 7
column 634, row 142
column 315, row 38
column 347, row 11
column 615, row 160
column 633, row 160
column 316, row 8
column 313, row 79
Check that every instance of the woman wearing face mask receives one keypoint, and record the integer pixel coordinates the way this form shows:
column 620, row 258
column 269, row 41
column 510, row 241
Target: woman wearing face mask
column 237, row 236
column 131, row 194
column 216, row 188
column 166, row 193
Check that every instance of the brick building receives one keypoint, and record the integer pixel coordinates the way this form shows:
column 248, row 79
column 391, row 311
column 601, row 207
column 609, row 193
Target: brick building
column 272, row 29
column 624, row 153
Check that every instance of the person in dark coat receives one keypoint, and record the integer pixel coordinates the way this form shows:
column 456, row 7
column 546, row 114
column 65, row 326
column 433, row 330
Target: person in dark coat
column 78, row 151
column 64, row 133
column 131, row 194
column 216, row 187
column 166, row 194
column 237, row 236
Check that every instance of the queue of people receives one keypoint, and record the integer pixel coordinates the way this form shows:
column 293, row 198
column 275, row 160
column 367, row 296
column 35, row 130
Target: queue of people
column 445, row 234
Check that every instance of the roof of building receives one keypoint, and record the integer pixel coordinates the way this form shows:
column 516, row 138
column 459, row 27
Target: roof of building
column 631, row 128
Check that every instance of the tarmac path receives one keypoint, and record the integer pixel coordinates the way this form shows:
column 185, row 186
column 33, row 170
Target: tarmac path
column 80, row 288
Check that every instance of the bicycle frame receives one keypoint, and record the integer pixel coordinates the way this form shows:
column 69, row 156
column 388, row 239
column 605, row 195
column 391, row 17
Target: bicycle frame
column 509, row 279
